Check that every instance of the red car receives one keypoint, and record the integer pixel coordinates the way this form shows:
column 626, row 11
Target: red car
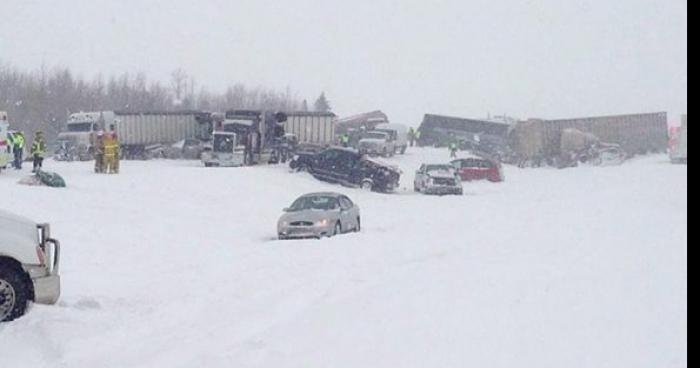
column 470, row 169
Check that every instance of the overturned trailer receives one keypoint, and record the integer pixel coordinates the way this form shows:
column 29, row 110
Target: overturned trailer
column 538, row 141
column 484, row 136
column 367, row 121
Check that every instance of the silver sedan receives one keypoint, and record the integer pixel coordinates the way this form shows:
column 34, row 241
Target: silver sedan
column 318, row 215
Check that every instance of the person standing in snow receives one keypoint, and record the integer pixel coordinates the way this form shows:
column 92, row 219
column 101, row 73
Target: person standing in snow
column 100, row 153
column 111, row 155
column 38, row 150
column 18, row 143
column 411, row 136
column 345, row 140
column 453, row 149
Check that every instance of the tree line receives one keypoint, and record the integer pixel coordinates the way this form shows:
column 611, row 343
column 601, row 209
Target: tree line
column 43, row 99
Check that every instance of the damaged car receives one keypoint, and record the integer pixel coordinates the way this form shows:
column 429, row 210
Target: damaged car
column 440, row 179
column 348, row 167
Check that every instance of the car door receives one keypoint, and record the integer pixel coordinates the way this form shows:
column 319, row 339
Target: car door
column 347, row 220
column 324, row 165
column 484, row 170
column 470, row 170
column 457, row 164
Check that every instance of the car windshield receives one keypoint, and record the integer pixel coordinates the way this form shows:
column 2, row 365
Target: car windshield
column 79, row 127
column 440, row 168
column 223, row 143
column 375, row 135
column 321, row 203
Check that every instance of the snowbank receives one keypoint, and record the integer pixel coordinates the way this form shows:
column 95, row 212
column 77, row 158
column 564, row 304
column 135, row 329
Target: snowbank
column 173, row 265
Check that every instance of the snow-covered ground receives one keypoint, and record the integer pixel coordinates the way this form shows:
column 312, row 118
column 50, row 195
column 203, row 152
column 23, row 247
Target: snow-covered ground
column 173, row 265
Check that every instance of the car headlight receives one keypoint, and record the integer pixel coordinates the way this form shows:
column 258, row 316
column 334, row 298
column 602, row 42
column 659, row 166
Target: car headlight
column 323, row 222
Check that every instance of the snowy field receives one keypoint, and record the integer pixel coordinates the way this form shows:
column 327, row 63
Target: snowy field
column 173, row 265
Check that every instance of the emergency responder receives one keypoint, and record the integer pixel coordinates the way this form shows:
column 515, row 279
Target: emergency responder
column 100, row 153
column 411, row 135
column 345, row 140
column 38, row 151
column 18, row 143
column 112, row 152
column 453, row 149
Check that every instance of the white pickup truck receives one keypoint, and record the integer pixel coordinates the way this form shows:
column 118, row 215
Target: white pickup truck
column 29, row 260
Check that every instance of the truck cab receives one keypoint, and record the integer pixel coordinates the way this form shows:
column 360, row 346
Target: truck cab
column 29, row 262
column 377, row 143
column 398, row 134
column 77, row 140
column 224, row 152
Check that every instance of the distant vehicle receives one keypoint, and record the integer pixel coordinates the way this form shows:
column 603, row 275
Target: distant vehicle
column 348, row 167
column 225, row 151
column 6, row 155
column 438, row 179
column 318, row 215
column 470, row 169
column 377, row 143
column 29, row 260
column 398, row 133
column 679, row 151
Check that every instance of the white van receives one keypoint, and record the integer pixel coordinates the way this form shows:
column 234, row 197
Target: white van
column 397, row 132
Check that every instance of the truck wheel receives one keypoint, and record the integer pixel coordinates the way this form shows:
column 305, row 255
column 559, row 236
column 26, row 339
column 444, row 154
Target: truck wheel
column 403, row 150
column 14, row 293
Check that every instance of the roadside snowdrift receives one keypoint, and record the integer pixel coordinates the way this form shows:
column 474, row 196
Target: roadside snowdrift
column 173, row 265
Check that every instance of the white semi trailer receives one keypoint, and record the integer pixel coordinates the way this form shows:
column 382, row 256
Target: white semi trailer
column 311, row 127
column 140, row 133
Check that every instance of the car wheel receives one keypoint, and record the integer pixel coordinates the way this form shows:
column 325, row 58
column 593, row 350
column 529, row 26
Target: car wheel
column 14, row 293
column 358, row 228
column 367, row 185
column 338, row 229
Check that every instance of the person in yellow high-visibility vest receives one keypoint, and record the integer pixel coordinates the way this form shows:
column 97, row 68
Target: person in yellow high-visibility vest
column 111, row 155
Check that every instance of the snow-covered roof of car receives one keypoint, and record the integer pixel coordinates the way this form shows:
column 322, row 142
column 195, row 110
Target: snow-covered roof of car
column 323, row 194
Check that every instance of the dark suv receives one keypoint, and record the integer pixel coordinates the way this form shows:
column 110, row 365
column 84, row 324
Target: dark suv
column 348, row 167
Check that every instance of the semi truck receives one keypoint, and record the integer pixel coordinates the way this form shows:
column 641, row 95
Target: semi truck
column 245, row 137
column 142, row 135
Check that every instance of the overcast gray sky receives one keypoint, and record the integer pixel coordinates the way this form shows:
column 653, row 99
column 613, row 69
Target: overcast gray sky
column 538, row 58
